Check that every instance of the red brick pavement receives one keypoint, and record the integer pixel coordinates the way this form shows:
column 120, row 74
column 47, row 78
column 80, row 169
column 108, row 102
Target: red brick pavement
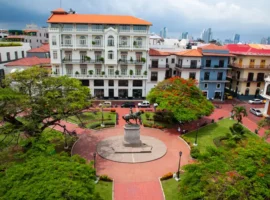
column 140, row 181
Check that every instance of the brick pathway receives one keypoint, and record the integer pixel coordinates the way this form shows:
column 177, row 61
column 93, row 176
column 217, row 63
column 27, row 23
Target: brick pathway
column 140, row 181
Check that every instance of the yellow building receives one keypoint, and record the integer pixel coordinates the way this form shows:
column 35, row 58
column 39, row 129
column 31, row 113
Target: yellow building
column 249, row 68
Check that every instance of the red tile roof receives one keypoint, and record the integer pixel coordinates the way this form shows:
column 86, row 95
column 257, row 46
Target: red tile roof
column 153, row 52
column 15, row 37
column 217, row 54
column 96, row 19
column 29, row 61
column 242, row 49
column 45, row 48
column 189, row 53
column 213, row 47
column 30, row 31
column 59, row 10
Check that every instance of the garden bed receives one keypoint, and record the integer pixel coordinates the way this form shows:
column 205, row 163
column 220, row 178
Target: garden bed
column 93, row 120
column 148, row 121
column 104, row 189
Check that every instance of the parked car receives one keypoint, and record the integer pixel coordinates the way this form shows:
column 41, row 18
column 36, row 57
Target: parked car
column 255, row 101
column 128, row 105
column 144, row 104
column 228, row 96
column 256, row 112
column 105, row 104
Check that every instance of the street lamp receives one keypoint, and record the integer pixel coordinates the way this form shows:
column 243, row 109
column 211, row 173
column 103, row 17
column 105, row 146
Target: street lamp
column 195, row 144
column 179, row 164
column 95, row 155
column 102, row 117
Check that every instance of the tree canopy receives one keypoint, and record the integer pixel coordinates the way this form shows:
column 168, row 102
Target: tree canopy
column 182, row 97
column 229, row 173
column 42, row 100
column 49, row 177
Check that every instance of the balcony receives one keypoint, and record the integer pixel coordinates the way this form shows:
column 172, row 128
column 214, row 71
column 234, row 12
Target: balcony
column 81, row 61
column 134, row 62
column 67, row 46
column 139, row 47
column 187, row 66
column 213, row 81
column 121, row 77
column 124, row 46
column 82, row 29
column 216, row 67
column 124, row 31
column 97, row 46
column 82, row 46
column 159, row 67
column 98, row 30
column 68, row 29
column 259, row 67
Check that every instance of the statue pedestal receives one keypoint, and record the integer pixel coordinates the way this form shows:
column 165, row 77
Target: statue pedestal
column 132, row 136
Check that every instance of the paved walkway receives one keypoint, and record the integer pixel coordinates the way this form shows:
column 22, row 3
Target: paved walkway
column 140, row 181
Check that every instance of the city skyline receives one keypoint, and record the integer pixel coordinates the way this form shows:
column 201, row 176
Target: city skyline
column 238, row 17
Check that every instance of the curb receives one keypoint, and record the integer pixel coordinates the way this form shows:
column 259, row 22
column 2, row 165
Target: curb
column 161, row 188
column 73, row 146
column 179, row 137
column 113, row 190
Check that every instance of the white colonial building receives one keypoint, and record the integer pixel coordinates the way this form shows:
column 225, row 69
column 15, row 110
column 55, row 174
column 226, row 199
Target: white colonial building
column 108, row 53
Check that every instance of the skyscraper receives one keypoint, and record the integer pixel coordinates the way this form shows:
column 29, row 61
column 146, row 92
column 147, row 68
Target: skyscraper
column 236, row 39
column 207, row 35
column 165, row 32
column 263, row 40
column 268, row 42
column 161, row 33
column 184, row 35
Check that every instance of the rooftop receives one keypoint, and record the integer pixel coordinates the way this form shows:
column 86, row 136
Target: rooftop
column 60, row 16
column 213, row 47
column 29, row 61
column 244, row 49
column 190, row 53
column 153, row 52
column 43, row 49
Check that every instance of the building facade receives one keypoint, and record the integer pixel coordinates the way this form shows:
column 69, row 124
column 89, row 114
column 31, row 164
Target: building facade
column 266, row 95
column 109, row 54
column 32, row 34
column 214, row 70
column 41, row 52
column 249, row 68
column 207, row 35
column 236, row 39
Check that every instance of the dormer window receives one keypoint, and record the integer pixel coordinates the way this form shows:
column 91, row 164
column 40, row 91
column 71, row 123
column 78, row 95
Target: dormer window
column 110, row 41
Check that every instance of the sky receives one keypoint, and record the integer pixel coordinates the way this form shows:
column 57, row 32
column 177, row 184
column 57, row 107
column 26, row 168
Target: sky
column 249, row 18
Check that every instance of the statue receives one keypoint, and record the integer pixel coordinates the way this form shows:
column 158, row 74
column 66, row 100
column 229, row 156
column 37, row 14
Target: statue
column 135, row 116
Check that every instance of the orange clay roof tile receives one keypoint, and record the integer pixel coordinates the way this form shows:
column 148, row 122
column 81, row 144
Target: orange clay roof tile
column 29, row 61
column 153, row 52
column 189, row 53
column 96, row 19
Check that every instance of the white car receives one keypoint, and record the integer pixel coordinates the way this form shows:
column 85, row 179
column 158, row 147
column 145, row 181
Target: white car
column 105, row 104
column 155, row 105
column 256, row 112
column 144, row 104
column 255, row 101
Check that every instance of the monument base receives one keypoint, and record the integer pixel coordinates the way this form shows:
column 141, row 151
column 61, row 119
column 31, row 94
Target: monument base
column 132, row 136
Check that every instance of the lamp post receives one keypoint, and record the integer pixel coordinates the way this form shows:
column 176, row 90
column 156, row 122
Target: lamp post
column 102, row 117
column 195, row 144
column 179, row 164
column 95, row 155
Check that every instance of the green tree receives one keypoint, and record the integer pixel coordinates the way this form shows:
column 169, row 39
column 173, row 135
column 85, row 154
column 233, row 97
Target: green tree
column 229, row 173
column 237, row 132
column 239, row 112
column 42, row 100
column 49, row 177
column 182, row 97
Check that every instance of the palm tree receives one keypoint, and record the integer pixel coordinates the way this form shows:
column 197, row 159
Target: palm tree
column 239, row 112
column 237, row 132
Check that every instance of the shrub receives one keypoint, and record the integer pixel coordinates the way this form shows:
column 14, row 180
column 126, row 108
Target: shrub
column 167, row 176
column 109, row 123
column 195, row 152
column 131, row 72
column 109, row 117
column 113, row 110
column 143, row 59
column 117, row 71
column 90, row 72
column 147, row 124
column 103, row 73
column 94, row 125
column 147, row 115
column 105, row 178
column 217, row 140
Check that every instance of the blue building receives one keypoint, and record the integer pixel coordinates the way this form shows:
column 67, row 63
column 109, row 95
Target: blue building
column 214, row 70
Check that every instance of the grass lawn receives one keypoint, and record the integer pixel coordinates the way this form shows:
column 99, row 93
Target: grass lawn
column 93, row 121
column 104, row 189
column 170, row 188
column 208, row 133
column 150, row 121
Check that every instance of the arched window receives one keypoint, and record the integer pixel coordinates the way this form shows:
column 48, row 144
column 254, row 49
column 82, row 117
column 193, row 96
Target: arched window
column 110, row 41
column 268, row 90
column 110, row 55
column 97, row 41
column 123, row 41
column 83, row 41
column 54, row 40
column 139, row 41
column 67, row 40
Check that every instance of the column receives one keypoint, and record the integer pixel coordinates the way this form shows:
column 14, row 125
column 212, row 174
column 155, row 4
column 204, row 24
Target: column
column 106, row 89
column 116, row 95
column 91, row 86
column 130, row 89
column 144, row 88
column 74, row 41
